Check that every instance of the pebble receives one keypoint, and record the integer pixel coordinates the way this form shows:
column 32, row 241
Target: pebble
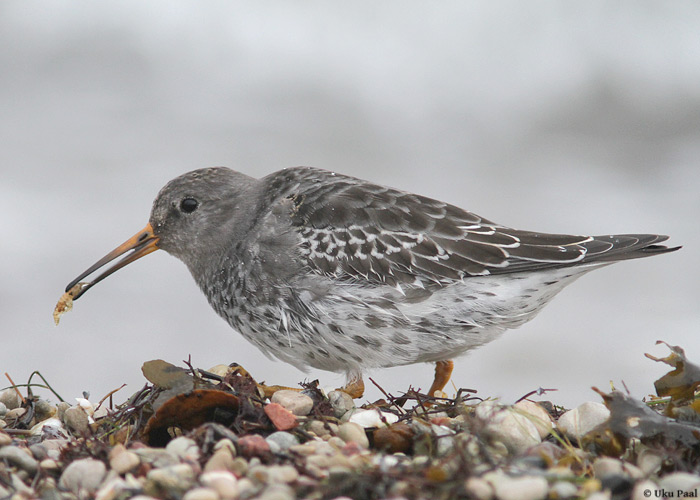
column 321, row 428
column 118, row 487
column 538, row 416
column 680, row 481
column 299, row 404
column 122, row 460
column 171, row 481
column 372, row 418
column 20, row 457
column 224, row 483
column 156, row 457
column 341, row 402
column 581, row 420
column 282, row 418
column 508, row 426
column 277, row 492
column 52, row 425
column 5, row 439
column 478, row 488
column 201, row 493
column 252, row 445
column 83, row 476
column 221, row 460
column 184, row 448
column 15, row 414
column 76, row 420
column 352, row 432
column 563, row 489
column 282, row 441
column 3, row 410
column 649, row 461
column 520, row 488
column 43, row 410
column 10, row 399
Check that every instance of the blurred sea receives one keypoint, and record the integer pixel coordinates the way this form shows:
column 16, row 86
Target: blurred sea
column 579, row 117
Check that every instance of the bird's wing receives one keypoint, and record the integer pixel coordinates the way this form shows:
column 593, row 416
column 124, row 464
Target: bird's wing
column 355, row 229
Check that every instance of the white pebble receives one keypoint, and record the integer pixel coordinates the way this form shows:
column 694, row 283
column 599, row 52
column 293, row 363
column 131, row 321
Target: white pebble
column 352, row 432
column 296, row 402
column 508, row 426
column 83, row 476
column 372, row 418
column 184, row 448
column 521, row 488
column 537, row 415
column 225, row 483
column 580, row 421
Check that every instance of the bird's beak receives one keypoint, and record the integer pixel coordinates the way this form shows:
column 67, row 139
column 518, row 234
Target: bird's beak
column 142, row 243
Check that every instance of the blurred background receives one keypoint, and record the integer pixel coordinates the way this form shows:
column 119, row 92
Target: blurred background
column 577, row 117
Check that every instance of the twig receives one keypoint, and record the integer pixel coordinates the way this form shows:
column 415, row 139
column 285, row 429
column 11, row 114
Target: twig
column 109, row 394
column 48, row 386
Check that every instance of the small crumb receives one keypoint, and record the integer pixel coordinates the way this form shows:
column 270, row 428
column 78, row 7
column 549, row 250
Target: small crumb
column 65, row 303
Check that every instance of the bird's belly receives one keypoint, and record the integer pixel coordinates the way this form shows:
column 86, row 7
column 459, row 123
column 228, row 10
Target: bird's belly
column 356, row 327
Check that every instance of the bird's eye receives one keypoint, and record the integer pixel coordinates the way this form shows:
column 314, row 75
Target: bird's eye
column 189, row 205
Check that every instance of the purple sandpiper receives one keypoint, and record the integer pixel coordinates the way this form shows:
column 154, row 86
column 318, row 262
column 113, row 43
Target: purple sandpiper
column 328, row 271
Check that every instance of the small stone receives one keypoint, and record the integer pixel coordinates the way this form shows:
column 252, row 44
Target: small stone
column 51, row 426
column 54, row 447
column 43, row 410
column 296, row 402
column 171, row 481
column 83, row 477
column 224, row 483
column 372, row 418
column 282, row 474
column 122, row 460
column 581, row 420
column 156, row 457
column 10, row 399
column 221, row 460
column 184, row 448
column 508, row 426
column 3, row 410
column 19, row 457
column 563, row 489
column 521, row 488
column 5, row 439
column 277, row 492
column 641, row 490
column 537, row 415
column 201, row 494
column 282, row 418
column 76, row 420
column 61, row 409
column 351, row 432
column 15, row 414
column 478, row 488
column 48, row 464
column 606, row 466
column 322, row 429
column 253, row 445
column 116, row 487
column 649, row 461
column 283, row 440
column 341, row 402
column 680, row 481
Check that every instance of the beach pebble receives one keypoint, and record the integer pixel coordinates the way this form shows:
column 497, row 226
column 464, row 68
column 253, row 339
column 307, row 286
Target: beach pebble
column 281, row 441
column 10, row 399
column 296, row 402
column 581, row 420
column 221, row 460
column 5, row 439
column 224, row 483
column 184, row 448
column 508, row 426
column 520, row 488
column 252, row 445
column 156, row 457
column 538, row 416
column 171, row 481
column 649, row 461
column 76, row 420
column 282, row 418
column 201, row 493
column 83, row 477
column 3, row 410
column 122, row 460
column 351, row 432
column 680, row 481
column 51, row 426
column 372, row 418
column 341, row 402
column 478, row 488
column 563, row 489
column 277, row 492
column 19, row 457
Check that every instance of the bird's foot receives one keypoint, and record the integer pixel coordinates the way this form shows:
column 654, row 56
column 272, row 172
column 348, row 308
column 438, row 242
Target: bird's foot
column 443, row 372
column 355, row 388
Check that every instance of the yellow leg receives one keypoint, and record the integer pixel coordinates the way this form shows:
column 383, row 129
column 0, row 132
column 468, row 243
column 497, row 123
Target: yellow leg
column 443, row 371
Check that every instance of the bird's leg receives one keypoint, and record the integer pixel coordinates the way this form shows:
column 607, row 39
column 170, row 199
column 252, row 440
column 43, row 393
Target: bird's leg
column 443, row 371
column 355, row 387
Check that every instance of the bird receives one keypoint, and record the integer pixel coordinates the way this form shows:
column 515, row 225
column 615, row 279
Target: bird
column 328, row 271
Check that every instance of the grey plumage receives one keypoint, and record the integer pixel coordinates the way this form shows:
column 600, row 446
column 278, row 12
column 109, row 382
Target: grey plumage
column 325, row 270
